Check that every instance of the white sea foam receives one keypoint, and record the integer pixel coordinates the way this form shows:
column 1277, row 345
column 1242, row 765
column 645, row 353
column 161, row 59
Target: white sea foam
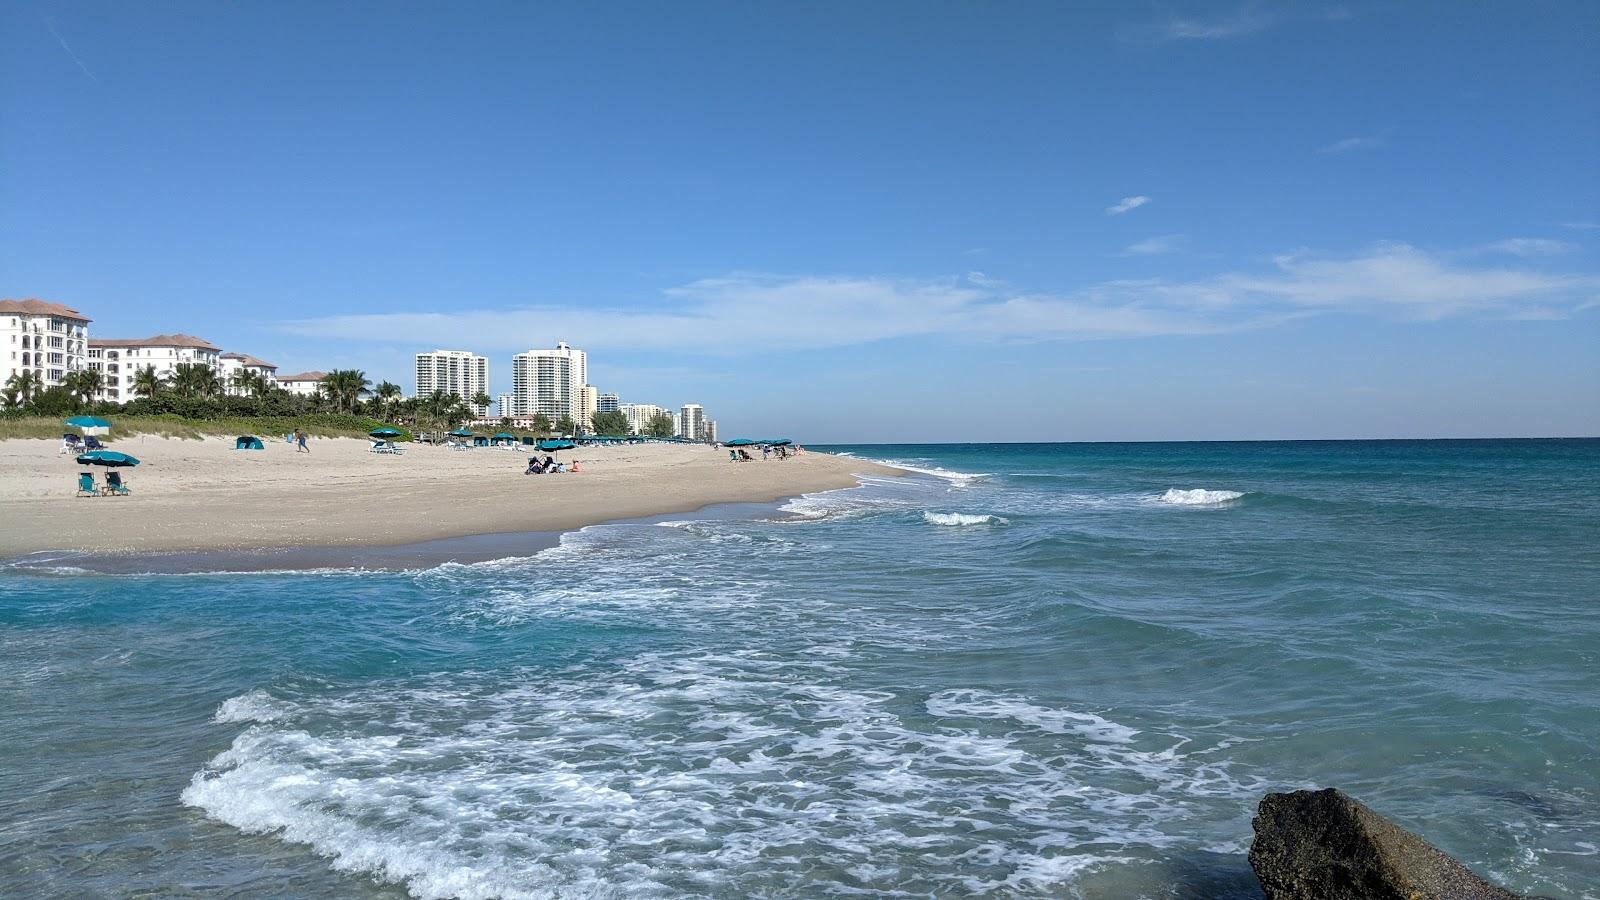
column 936, row 518
column 1198, row 497
column 256, row 706
column 686, row 773
column 959, row 479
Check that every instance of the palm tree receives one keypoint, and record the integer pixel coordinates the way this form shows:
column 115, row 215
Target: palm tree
column 26, row 384
column 345, row 387
column 85, row 383
column 481, row 401
column 248, row 382
column 387, row 392
column 146, row 383
column 195, row 380
column 541, row 425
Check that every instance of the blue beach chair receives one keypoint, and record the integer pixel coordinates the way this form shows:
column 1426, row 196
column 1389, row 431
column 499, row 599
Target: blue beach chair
column 114, row 485
column 86, row 486
column 90, row 442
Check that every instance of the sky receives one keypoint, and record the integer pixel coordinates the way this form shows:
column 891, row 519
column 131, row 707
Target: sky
column 846, row 222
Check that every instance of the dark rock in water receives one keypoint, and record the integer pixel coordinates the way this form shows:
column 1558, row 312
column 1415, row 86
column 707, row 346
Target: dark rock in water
column 1323, row 845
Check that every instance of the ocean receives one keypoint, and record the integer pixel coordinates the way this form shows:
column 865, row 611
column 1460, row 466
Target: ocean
column 1056, row 670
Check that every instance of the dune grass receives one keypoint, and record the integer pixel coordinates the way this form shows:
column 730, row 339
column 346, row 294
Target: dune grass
column 268, row 428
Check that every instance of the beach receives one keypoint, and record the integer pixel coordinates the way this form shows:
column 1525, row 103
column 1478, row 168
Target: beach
column 203, row 495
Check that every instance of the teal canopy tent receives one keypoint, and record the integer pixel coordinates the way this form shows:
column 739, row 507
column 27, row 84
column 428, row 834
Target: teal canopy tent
column 503, row 438
column 106, row 458
column 247, row 442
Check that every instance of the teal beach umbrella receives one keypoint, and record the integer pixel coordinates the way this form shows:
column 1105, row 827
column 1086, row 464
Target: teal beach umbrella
column 738, row 442
column 385, row 433
column 459, row 432
column 88, row 422
column 106, row 458
column 555, row 445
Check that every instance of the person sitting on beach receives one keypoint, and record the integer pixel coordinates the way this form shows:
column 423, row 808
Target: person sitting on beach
column 534, row 466
column 745, row 456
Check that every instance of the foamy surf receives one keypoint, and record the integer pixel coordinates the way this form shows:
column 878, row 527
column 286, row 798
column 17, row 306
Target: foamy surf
column 937, row 518
column 1198, row 497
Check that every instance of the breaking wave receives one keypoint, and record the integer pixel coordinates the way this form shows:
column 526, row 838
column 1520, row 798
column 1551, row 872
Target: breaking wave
column 1198, row 497
column 933, row 518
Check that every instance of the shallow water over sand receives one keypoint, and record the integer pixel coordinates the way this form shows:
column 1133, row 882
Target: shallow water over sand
column 1062, row 670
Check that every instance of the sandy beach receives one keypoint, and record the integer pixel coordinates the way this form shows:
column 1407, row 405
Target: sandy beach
column 205, row 495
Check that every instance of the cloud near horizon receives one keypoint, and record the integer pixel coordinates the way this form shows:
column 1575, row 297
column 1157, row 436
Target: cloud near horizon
column 743, row 313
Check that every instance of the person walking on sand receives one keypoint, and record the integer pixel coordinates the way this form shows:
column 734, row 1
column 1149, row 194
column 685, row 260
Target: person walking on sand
column 300, row 439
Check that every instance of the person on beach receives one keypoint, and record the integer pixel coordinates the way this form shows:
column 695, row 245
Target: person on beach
column 766, row 451
column 300, row 439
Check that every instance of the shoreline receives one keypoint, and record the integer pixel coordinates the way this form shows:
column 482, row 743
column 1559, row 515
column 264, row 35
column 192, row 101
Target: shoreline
column 339, row 501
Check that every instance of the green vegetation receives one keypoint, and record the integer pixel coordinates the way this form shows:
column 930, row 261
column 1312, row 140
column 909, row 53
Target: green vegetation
column 269, row 428
column 660, row 425
column 611, row 422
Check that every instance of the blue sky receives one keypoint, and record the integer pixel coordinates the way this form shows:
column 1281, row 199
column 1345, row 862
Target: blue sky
column 848, row 222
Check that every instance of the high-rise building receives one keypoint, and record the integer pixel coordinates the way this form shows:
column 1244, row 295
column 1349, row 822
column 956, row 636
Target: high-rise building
column 44, row 338
column 608, row 403
column 710, row 435
column 588, row 405
column 508, row 406
column 639, row 415
column 692, row 422
column 458, row 372
column 120, row 360
column 550, row 382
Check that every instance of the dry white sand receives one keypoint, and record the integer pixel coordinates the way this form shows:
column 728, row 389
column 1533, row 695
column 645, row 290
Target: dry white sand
column 204, row 495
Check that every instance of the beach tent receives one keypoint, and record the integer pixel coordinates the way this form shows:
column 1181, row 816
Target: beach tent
column 503, row 438
column 528, row 440
column 89, row 424
column 110, row 458
column 247, row 442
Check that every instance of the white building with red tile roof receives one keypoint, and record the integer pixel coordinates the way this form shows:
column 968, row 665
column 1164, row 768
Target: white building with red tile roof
column 234, row 363
column 41, row 337
column 121, row 359
column 303, row 383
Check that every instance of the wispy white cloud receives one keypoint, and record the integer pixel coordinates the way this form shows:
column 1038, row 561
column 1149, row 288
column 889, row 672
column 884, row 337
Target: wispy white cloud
column 982, row 280
column 1126, row 204
column 1156, row 246
column 67, row 47
column 1368, row 142
column 1527, row 247
column 1244, row 21
column 742, row 313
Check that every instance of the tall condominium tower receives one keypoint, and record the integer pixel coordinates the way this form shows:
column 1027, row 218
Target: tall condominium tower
column 549, row 382
column 692, row 422
column 456, row 372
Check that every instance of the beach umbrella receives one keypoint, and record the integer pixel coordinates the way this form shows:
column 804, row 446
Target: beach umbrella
column 106, row 458
column 778, row 442
column 738, row 442
column 555, row 445
column 385, row 433
column 89, row 424
column 459, row 432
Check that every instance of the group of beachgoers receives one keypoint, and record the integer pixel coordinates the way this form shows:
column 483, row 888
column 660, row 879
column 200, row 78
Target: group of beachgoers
column 739, row 454
column 547, row 466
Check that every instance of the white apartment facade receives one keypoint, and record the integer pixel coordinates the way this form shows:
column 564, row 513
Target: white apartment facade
column 234, row 363
column 608, row 403
column 549, row 382
column 639, row 415
column 506, row 403
column 120, row 360
column 306, row 384
column 41, row 337
column 458, row 372
column 692, row 422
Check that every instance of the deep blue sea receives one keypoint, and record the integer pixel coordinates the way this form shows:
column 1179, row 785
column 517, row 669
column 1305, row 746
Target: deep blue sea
column 1060, row 670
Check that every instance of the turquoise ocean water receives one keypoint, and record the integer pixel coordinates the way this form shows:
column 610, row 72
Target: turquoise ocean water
column 1029, row 670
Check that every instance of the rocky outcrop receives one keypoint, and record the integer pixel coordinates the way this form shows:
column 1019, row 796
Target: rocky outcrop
column 1323, row 845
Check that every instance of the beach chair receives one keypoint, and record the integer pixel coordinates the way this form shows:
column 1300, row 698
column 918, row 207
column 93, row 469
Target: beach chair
column 70, row 444
column 115, row 487
column 86, row 485
column 92, row 443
